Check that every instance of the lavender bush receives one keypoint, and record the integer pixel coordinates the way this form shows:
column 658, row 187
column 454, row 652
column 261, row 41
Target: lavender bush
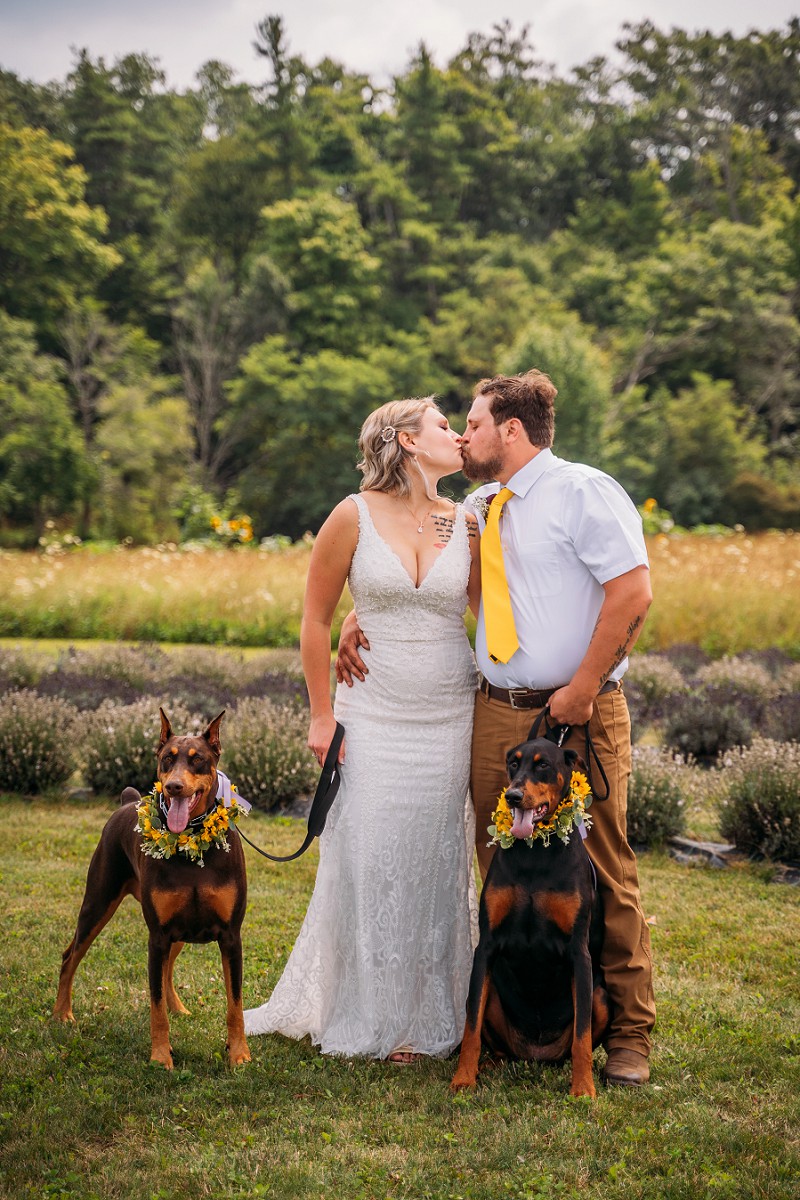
column 119, row 743
column 266, row 754
column 760, row 811
column 657, row 794
column 37, row 741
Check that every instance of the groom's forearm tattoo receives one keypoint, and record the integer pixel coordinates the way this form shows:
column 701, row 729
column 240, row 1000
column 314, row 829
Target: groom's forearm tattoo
column 622, row 650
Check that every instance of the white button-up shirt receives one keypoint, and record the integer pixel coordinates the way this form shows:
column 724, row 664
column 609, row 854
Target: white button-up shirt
column 566, row 531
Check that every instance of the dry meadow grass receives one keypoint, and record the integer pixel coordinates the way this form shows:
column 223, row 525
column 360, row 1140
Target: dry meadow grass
column 725, row 594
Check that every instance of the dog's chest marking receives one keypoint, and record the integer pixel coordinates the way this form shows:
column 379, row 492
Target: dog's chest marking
column 499, row 903
column 561, row 908
column 167, row 904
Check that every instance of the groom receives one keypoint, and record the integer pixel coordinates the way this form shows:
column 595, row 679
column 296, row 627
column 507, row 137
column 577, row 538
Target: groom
column 565, row 591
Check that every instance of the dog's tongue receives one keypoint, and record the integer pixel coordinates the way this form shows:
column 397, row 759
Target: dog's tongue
column 523, row 823
column 178, row 814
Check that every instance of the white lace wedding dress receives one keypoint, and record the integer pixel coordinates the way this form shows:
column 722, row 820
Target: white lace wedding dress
column 384, row 955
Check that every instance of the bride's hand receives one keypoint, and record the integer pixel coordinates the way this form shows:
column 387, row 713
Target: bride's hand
column 320, row 736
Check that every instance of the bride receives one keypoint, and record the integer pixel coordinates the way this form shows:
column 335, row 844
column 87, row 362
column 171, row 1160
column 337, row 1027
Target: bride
column 381, row 965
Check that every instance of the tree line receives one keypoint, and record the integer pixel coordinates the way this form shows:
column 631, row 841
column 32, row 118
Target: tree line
column 203, row 292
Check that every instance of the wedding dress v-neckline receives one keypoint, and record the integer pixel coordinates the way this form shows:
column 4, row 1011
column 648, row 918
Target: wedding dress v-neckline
column 416, row 586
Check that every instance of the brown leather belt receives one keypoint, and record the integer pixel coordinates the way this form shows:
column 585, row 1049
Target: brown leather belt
column 530, row 698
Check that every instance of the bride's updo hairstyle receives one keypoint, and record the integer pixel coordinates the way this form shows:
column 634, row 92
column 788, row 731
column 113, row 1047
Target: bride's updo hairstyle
column 384, row 462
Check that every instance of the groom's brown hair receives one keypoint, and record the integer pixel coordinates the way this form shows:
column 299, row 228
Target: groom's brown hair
column 527, row 397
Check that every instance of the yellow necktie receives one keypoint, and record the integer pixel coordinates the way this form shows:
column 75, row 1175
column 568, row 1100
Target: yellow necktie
column 501, row 632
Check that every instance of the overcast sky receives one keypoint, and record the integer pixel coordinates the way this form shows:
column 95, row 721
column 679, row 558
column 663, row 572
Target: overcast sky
column 378, row 38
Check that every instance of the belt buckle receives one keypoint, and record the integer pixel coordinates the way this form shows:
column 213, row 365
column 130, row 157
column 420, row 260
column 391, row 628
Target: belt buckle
column 514, row 693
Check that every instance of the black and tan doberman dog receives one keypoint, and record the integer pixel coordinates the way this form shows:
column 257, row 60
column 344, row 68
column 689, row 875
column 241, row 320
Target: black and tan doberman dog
column 181, row 900
column 536, row 992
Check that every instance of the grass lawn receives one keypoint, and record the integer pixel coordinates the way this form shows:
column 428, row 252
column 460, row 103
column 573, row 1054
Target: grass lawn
column 84, row 1114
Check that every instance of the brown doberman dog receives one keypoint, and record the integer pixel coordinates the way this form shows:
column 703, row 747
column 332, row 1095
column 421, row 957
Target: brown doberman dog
column 181, row 900
column 536, row 992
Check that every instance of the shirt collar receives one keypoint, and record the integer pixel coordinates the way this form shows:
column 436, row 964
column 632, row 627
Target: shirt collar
column 524, row 479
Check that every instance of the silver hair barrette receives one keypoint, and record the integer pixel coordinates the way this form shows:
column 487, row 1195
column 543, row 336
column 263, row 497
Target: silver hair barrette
column 388, row 433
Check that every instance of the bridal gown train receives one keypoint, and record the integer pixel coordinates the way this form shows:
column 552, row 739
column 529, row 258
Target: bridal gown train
column 384, row 954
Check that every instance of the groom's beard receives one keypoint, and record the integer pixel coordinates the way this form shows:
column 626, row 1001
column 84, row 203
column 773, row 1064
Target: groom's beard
column 481, row 470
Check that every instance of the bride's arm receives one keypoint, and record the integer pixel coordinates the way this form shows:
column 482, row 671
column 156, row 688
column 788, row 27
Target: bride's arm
column 333, row 552
column 474, row 583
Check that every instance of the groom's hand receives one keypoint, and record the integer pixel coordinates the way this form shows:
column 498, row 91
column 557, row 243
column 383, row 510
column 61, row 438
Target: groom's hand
column 570, row 706
column 349, row 662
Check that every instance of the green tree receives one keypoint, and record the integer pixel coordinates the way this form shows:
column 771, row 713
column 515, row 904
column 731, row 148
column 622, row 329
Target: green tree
column 318, row 244
column 51, row 253
column 214, row 325
column 44, row 470
column 581, row 373
column 697, row 444
column 297, row 422
column 144, row 447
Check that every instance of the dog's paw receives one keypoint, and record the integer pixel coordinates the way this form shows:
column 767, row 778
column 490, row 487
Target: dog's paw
column 64, row 1015
column 162, row 1058
column 238, row 1053
column 462, row 1083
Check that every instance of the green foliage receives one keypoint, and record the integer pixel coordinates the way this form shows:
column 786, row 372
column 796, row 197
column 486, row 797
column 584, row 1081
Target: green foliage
column 688, row 450
column 631, row 229
column 760, row 812
column 143, row 443
column 320, row 247
column 37, row 742
column 44, row 220
column 306, row 413
column 581, row 374
column 44, row 470
column 266, row 754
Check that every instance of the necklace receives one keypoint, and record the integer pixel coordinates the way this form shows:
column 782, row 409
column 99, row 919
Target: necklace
column 424, row 519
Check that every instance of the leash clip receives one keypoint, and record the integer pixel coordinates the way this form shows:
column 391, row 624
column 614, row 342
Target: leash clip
column 562, row 735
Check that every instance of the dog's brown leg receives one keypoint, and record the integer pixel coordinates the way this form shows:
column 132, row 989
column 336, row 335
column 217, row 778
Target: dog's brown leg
column 96, row 912
column 582, row 1079
column 230, row 948
column 157, row 968
column 466, row 1075
column 174, row 1002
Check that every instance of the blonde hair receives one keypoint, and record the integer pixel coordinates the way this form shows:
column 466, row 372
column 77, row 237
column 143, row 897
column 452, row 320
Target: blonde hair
column 384, row 462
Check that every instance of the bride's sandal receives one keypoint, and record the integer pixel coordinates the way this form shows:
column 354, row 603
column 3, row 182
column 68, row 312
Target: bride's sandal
column 404, row 1057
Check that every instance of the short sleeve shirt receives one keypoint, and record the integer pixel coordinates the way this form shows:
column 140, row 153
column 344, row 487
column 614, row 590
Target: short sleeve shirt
column 567, row 530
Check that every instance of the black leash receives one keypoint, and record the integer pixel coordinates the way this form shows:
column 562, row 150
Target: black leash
column 558, row 733
column 324, row 797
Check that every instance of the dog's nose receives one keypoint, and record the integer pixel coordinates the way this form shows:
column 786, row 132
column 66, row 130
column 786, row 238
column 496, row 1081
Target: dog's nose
column 513, row 797
column 173, row 786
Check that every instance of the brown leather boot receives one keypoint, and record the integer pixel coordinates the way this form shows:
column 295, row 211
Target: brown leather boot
column 627, row 1068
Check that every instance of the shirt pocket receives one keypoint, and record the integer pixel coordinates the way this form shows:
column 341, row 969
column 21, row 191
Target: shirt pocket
column 541, row 568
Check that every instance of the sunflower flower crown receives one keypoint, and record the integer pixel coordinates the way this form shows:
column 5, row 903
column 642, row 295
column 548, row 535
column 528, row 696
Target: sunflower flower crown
column 570, row 812
column 158, row 841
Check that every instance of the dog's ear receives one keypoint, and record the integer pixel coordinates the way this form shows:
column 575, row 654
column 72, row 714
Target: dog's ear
column 212, row 734
column 166, row 729
column 574, row 760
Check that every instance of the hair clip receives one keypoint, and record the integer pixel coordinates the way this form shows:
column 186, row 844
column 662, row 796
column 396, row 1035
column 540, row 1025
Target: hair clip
column 388, row 433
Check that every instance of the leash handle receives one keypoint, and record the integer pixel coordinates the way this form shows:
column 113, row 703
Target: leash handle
column 558, row 734
column 324, row 797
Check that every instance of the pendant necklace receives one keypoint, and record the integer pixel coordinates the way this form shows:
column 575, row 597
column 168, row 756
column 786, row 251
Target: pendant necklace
column 424, row 519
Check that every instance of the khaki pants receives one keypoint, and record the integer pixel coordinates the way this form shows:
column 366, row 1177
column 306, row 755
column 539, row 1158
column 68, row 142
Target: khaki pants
column 626, row 958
